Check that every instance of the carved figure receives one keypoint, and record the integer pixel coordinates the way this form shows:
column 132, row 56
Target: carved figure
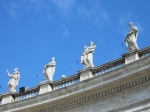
column 131, row 38
column 87, row 55
column 84, row 57
column 49, row 70
column 13, row 81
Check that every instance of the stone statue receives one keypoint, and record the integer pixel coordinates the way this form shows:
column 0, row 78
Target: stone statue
column 13, row 81
column 131, row 38
column 49, row 70
column 87, row 55
column 84, row 57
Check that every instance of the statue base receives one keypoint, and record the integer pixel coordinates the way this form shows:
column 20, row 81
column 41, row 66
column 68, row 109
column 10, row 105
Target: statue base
column 86, row 74
column 131, row 56
column 7, row 98
column 45, row 86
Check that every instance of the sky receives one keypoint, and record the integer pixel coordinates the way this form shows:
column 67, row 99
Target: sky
column 34, row 31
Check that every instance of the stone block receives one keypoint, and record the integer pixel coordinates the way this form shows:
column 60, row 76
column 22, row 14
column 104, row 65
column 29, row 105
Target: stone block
column 131, row 56
column 86, row 74
column 45, row 86
column 7, row 98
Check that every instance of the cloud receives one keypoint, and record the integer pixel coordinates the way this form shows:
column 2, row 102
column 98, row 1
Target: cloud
column 64, row 5
column 95, row 14
column 11, row 8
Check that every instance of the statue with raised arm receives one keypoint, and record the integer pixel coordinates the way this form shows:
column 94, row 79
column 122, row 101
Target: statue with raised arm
column 87, row 55
column 131, row 38
column 49, row 70
column 13, row 81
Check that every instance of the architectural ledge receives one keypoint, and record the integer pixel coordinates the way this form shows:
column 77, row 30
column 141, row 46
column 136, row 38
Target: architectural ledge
column 98, row 87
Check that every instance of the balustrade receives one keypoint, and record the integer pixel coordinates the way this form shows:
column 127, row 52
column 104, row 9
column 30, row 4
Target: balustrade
column 144, row 52
column 73, row 79
column 109, row 67
column 64, row 82
column 28, row 94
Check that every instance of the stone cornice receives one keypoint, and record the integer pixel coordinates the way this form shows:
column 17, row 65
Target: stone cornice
column 95, row 96
column 130, row 75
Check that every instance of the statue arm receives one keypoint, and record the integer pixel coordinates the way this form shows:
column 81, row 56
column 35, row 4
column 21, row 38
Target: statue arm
column 92, row 48
column 52, row 64
column 44, row 69
column 8, row 73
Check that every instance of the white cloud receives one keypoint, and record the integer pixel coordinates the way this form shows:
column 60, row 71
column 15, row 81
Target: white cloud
column 95, row 14
column 64, row 5
column 11, row 8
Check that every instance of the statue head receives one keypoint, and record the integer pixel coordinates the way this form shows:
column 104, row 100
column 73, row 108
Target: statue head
column 16, row 69
column 53, row 59
column 91, row 43
column 130, row 24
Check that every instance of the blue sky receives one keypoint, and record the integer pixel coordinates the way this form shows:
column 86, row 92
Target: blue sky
column 33, row 31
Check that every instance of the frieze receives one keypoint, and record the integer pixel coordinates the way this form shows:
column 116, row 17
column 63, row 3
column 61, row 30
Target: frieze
column 97, row 95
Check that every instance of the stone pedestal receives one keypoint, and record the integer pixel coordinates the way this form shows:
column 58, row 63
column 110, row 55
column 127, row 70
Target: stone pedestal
column 45, row 86
column 7, row 98
column 86, row 74
column 131, row 56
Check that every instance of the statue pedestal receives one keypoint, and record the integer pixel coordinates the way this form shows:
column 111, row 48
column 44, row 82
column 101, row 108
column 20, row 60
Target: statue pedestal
column 7, row 98
column 45, row 86
column 131, row 56
column 86, row 74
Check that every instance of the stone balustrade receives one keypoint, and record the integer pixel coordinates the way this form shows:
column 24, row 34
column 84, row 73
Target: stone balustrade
column 144, row 52
column 73, row 79
column 27, row 94
column 109, row 67
column 118, row 63
column 67, row 81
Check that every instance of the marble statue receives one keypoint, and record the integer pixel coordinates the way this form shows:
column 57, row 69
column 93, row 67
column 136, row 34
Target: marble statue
column 49, row 70
column 13, row 81
column 84, row 57
column 87, row 55
column 131, row 38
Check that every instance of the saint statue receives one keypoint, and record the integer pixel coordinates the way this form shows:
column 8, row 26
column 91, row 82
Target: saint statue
column 131, row 38
column 49, row 70
column 87, row 55
column 84, row 57
column 13, row 81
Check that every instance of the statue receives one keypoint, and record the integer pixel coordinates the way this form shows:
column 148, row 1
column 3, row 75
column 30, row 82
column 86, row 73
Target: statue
column 13, row 81
column 84, row 57
column 49, row 70
column 87, row 55
column 131, row 38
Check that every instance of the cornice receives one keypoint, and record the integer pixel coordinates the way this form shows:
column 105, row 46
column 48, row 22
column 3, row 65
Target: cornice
column 97, row 95
column 128, row 76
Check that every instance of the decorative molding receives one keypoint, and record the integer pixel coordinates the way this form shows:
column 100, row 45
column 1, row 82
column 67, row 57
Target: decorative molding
column 97, row 95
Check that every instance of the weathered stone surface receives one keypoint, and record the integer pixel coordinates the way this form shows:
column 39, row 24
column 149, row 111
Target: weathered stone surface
column 125, row 89
column 45, row 87
column 13, row 81
column 131, row 56
column 131, row 38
